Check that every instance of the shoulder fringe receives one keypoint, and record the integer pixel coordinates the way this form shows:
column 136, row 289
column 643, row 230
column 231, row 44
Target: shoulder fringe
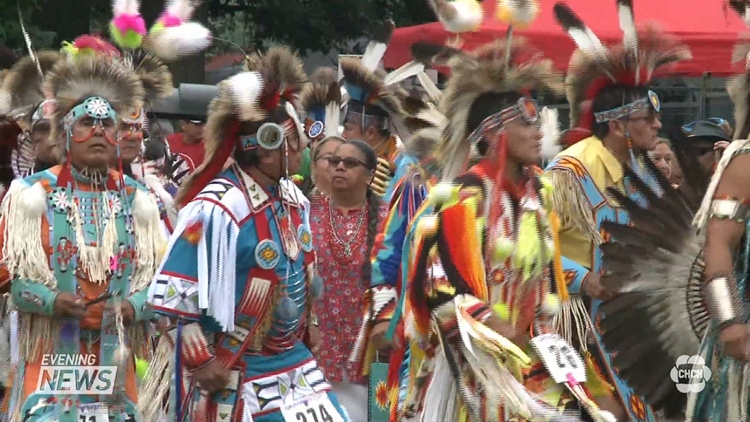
column 734, row 149
column 150, row 240
column 571, row 205
column 23, row 253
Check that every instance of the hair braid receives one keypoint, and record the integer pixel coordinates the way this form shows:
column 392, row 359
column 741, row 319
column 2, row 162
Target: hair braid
column 373, row 212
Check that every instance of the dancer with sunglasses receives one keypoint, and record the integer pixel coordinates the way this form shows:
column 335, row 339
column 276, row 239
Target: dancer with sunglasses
column 616, row 120
column 239, row 278
column 484, row 281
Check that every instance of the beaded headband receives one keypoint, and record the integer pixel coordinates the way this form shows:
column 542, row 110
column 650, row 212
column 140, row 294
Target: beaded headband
column 652, row 100
column 525, row 108
column 95, row 107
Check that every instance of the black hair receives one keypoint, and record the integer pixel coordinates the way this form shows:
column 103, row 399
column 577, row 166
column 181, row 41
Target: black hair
column 612, row 97
column 485, row 106
column 373, row 206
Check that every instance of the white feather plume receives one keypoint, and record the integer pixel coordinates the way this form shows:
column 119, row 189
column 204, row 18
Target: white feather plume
column 550, row 133
column 125, row 7
column 181, row 9
column 333, row 112
column 404, row 72
column 458, row 16
column 432, row 90
column 177, row 41
column 297, row 123
column 374, row 52
column 245, row 89
column 627, row 24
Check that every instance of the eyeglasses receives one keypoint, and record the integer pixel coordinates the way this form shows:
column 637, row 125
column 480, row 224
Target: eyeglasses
column 349, row 162
column 198, row 122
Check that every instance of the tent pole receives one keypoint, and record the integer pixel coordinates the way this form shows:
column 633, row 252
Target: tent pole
column 705, row 89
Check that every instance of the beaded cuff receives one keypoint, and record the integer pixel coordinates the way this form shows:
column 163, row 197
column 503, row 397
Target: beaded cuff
column 195, row 349
column 726, row 208
column 723, row 300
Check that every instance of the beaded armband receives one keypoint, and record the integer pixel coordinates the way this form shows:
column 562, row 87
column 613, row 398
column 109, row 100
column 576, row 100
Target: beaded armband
column 727, row 208
column 722, row 299
column 383, row 304
column 196, row 351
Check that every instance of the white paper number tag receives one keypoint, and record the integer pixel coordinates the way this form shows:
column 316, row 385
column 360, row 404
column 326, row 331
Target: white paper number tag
column 93, row 412
column 313, row 408
column 560, row 359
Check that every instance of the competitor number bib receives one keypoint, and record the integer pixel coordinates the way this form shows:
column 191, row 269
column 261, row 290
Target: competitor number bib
column 313, row 408
column 560, row 358
column 94, row 412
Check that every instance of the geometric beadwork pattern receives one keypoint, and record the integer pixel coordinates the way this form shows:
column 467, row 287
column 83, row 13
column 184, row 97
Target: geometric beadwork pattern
column 176, row 293
column 275, row 391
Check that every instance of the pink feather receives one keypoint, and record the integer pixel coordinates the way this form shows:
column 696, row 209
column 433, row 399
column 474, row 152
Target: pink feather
column 169, row 20
column 124, row 23
column 95, row 43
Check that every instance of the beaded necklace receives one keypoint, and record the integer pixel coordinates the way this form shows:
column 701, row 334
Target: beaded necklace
column 353, row 235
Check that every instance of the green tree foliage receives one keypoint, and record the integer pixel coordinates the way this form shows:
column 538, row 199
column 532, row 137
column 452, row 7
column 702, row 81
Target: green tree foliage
column 11, row 35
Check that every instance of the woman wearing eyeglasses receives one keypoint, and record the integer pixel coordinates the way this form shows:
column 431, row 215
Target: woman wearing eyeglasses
column 319, row 163
column 344, row 225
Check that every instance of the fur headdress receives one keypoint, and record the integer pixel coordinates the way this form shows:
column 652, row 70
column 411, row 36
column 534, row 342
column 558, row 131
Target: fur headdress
column 594, row 67
column 738, row 86
column 368, row 91
column 321, row 105
column 499, row 67
column 272, row 81
column 73, row 80
column 22, row 86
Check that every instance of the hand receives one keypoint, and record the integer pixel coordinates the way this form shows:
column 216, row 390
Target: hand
column 213, row 376
column 128, row 312
column 593, row 288
column 69, row 305
column 721, row 145
column 378, row 336
column 314, row 339
column 735, row 340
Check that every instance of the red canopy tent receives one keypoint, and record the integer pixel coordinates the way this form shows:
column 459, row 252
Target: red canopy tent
column 708, row 27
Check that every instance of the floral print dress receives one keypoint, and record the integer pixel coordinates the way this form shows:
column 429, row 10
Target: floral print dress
column 340, row 259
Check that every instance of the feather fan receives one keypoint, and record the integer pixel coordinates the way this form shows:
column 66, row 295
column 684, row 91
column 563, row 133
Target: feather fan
column 23, row 83
column 71, row 82
column 654, row 265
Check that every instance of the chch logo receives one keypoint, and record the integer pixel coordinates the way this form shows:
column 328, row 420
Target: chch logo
column 690, row 374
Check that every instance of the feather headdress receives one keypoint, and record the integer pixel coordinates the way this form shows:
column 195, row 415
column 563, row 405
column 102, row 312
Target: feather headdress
column 368, row 89
column 271, row 81
column 321, row 105
column 23, row 83
column 426, row 128
column 593, row 67
column 72, row 81
column 738, row 86
column 498, row 67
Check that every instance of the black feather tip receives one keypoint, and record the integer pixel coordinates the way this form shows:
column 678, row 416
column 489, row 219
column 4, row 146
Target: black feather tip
column 433, row 54
column 382, row 33
column 566, row 17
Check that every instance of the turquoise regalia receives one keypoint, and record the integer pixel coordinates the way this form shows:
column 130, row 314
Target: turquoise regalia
column 240, row 267
column 104, row 238
column 580, row 176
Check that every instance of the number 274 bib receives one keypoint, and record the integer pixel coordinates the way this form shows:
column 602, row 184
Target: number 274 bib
column 561, row 359
column 313, row 408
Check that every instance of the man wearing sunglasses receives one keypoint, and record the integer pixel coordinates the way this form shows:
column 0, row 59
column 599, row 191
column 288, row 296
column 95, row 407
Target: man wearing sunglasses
column 617, row 120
